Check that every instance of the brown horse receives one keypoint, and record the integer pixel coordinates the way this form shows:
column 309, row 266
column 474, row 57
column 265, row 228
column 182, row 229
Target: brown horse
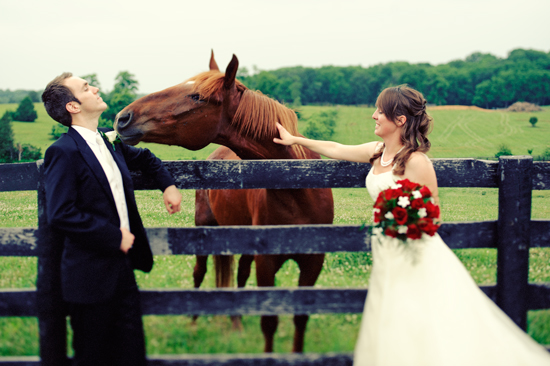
column 214, row 107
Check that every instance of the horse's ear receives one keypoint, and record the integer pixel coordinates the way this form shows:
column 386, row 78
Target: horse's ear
column 231, row 73
column 213, row 64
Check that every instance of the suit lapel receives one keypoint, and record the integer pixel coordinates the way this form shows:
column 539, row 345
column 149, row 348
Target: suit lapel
column 93, row 163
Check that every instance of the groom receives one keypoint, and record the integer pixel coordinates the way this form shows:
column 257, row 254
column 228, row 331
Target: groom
column 91, row 203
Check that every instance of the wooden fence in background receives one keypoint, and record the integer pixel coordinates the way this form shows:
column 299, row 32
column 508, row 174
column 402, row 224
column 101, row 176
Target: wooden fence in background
column 512, row 234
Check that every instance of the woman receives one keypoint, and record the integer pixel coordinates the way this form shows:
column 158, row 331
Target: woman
column 423, row 308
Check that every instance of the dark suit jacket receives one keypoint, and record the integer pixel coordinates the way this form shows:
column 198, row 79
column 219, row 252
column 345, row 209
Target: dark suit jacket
column 80, row 205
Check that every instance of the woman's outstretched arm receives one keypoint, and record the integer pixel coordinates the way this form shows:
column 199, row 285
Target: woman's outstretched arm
column 358, row 153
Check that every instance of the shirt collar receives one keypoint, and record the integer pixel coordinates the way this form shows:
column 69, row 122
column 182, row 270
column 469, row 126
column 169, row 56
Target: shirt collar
column 87, row 134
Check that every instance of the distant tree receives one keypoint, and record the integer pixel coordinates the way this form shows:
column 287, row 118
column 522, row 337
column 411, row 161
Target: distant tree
column 25, row 111
column 123, row 94
column 7, row 152
column 35, row 96
column 126, row 81
column 92, row 80
column 266, row 82
column 243, row 73
column 533, row 121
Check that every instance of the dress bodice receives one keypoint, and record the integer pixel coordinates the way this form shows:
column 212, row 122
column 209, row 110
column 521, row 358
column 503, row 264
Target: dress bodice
column 376, row 183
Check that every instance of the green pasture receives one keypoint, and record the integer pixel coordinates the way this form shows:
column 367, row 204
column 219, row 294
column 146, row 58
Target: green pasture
column 457, row 133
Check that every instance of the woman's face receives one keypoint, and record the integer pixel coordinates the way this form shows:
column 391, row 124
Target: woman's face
column 384, row 127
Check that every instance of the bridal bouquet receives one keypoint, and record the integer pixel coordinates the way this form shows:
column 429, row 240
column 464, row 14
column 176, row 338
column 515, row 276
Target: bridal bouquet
column 405, row 211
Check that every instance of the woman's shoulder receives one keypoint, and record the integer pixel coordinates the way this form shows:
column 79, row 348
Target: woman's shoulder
column 370, row 148
column 418, row 158
column 419, row 164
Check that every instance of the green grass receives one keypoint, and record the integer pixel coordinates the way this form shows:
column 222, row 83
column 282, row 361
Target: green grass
column 456, row 134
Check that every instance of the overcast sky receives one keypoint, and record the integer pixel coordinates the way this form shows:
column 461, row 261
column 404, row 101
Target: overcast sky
column 163, row 42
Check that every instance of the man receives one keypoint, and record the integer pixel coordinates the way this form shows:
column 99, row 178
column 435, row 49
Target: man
column 90, row 201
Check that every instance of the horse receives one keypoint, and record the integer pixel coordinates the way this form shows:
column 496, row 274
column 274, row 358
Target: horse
column 215, row 107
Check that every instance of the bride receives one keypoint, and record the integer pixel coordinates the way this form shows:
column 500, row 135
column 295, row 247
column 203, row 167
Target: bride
column 422, row 308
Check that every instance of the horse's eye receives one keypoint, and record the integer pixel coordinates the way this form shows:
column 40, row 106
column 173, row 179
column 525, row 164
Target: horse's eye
column 195, row 97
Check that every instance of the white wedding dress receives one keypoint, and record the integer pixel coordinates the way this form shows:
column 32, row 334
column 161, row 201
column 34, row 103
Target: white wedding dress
column 424, row 309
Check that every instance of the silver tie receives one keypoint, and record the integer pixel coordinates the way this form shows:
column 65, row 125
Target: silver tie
column 107, row 157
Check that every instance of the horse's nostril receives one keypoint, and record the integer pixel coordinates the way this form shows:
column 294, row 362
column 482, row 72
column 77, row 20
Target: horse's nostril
column 124, row 119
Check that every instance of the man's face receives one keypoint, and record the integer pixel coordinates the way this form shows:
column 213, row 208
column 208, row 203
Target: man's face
column 91, row 102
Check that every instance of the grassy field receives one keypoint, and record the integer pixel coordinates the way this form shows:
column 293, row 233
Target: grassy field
column 457, row 133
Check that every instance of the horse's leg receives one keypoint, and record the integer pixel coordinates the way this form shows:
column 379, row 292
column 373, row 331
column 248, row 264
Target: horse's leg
column 198, row 275
column 266, row 268
column 310, row 268
column 203, row 217
column 243, row 273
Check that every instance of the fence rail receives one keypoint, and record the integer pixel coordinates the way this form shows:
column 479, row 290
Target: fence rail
column 515, row 177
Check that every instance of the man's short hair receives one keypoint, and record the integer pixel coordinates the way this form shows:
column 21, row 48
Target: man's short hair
column 55, row 98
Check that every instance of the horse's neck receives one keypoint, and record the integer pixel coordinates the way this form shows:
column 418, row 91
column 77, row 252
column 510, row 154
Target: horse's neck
column 249, row 149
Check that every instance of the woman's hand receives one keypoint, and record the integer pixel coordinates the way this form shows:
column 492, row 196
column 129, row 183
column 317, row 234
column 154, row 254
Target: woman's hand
column 285, row 137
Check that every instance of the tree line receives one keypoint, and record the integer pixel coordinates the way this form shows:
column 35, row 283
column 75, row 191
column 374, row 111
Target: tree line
column 480, row 79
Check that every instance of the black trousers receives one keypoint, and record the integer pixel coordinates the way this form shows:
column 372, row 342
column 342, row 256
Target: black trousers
column 110, row 333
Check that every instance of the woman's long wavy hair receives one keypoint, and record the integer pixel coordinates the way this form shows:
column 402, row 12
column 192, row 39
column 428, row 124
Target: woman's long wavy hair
column 399, row 101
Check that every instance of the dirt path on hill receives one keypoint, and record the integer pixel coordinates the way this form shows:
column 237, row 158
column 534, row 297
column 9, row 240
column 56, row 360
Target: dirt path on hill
column 457, row 107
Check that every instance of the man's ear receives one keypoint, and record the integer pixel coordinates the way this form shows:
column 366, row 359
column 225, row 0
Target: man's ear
column 73, row 107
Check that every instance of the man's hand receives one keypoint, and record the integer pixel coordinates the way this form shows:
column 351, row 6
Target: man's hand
column 172, row 199
column 127, row 240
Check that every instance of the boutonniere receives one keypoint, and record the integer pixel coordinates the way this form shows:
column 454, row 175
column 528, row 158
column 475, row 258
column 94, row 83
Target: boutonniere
column 112, row 138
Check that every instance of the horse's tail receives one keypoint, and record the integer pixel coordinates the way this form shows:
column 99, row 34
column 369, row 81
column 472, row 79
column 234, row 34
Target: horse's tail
column 224, row 265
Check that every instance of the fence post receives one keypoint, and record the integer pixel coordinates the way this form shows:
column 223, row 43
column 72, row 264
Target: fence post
column 52, row 310
column 514, row 218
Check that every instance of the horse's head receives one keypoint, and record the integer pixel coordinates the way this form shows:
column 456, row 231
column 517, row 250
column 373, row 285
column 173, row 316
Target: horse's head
column 188, row 114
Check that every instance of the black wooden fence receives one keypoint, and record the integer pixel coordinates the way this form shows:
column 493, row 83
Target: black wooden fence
column 512, row 234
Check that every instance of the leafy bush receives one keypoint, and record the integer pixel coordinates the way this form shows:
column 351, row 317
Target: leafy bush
column 533, row 121
column 544, row 157
column 503, row 150
column 28, row 152
column 57, row 131
column 321, row 125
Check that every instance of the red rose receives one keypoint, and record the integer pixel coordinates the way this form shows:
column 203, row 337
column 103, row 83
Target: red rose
column 407, row 185
column 414, row 232
column 426, row 193
column 390, row 194
column 432, row 210
column 378, row 216
column 417, row 203
column 390, row 231
column 427, row 226
column 400, row 215
column 379, row 201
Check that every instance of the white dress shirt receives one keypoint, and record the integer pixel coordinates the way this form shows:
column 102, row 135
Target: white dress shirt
column 111, row 171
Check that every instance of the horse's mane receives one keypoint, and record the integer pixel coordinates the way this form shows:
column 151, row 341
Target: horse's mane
column 257, row 114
